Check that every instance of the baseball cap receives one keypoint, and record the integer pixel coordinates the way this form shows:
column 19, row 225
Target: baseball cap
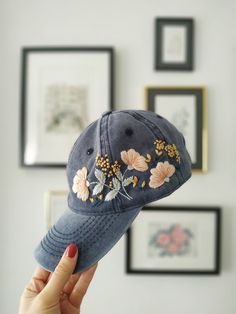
column 119, row 163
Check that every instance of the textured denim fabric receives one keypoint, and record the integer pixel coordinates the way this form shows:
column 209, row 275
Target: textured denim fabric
column 96, row 226
column 93, row 235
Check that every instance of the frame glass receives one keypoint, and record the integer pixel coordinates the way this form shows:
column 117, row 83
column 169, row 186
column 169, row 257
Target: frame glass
column 186, row 108
column 174, row 240
column 63, row 90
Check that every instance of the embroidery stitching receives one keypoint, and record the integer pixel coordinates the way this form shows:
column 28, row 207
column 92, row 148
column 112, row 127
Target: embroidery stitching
column 171, row 149
column 118, row 182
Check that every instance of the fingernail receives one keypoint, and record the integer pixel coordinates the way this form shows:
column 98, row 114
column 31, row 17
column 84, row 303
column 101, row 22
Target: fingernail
column 71, row 250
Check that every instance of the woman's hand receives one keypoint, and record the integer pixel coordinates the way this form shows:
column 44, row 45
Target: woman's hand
column 59, row 292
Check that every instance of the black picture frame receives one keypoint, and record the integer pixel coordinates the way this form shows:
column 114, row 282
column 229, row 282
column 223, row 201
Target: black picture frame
column 169, row 53
column 92, row 52
column 215, row 212
column 199, row 142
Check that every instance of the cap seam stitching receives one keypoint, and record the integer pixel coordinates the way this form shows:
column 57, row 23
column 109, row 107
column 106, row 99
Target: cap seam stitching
column 154, row 125
column 110, row 152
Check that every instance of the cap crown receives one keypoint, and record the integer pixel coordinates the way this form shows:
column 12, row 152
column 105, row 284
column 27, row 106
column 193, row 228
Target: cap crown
column 124, row 160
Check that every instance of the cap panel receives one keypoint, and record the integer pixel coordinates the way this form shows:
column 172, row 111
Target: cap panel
column 147, row 133
column 126, row 132
column 80, row 157
column 97, row 138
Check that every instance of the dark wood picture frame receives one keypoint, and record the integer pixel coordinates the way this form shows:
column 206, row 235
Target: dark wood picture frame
column 199, row 92
column 217, row 211
column 26, row 52
column 160, row 63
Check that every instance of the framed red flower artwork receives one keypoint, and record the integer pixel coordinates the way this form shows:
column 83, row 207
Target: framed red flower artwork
column 174, row 240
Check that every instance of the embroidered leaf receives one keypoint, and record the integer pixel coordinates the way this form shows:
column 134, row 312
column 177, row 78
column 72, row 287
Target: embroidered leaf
column 100, row 176
column 112, row 194
column 127, row 181
column 98, row 188
column 135, row 181
column 158, row 152
column 119, row 175
column 116, row 183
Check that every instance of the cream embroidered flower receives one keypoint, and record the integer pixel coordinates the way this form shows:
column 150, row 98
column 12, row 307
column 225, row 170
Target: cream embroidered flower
column 134, row 160
column 161, row 174
column 80, row 184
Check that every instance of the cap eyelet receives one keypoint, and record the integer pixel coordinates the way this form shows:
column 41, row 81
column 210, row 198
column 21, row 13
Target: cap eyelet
column 90, row 151
column 129, row 131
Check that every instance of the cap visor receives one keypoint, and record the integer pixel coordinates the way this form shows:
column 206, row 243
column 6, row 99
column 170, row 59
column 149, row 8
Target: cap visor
column 93, row 235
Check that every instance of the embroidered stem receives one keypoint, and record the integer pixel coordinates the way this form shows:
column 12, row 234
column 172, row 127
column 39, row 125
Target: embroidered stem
column 128, row 197
column 123, row 176
column 125, row 172
column 118, row 191
column 93, row 182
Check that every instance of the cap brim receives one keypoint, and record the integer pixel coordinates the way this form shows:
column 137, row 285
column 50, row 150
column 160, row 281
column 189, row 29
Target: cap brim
column 93, row 235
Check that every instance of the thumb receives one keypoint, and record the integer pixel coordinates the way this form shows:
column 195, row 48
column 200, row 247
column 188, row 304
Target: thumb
column 62, row 273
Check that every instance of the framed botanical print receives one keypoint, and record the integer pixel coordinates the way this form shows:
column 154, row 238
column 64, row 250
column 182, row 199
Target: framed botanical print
column 174, row 240
column 186, row 108
column 63, row 90
column 174, row 42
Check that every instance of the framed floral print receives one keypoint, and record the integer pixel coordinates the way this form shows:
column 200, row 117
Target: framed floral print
column 174, row 42
column 174, row 240
column 63, row 90
column 186, row 108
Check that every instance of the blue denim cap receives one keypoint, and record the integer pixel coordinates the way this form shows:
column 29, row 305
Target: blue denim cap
column 121, row 162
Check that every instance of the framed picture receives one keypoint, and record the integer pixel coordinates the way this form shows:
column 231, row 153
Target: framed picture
column 63, row 90
column 55, row 204
column 186, row 108
column 174, row 44
column 174, row 240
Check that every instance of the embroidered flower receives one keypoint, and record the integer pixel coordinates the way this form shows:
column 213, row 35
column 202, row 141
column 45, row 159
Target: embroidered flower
column 173, row 152
column 80, row 184
column 160, row 146
column 134, row 160
column 161, row 174
column 109, row 169
column 170, row 149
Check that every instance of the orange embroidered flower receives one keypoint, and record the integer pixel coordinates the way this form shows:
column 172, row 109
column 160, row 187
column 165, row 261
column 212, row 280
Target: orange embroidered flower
column 161, row 174
column 134, row 160
column 80, row 184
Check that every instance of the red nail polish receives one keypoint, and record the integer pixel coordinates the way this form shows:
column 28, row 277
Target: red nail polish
column 71, row 250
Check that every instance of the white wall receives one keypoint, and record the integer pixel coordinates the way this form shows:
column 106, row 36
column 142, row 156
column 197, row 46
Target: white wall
column 128, row 26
